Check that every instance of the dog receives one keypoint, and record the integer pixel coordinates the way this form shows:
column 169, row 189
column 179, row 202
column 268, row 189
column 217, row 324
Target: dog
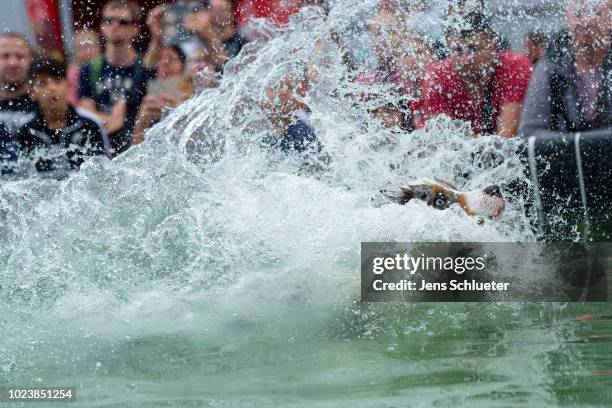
column 487, row 203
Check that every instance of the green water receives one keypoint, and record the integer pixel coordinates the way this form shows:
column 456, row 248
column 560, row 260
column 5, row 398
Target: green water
column 462, row 355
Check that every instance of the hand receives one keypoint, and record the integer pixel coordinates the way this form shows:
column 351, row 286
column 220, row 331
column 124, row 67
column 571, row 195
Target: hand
column 116, row 119
column 201, row 24
column 155, row 22
column 150, row 110
column 168, row 102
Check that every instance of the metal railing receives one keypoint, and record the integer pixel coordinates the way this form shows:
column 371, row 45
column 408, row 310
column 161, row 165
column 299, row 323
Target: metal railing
column 572, row 184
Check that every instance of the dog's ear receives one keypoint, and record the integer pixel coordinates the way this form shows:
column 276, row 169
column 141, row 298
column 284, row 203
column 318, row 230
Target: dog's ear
column 406, row 194
column 401, row 196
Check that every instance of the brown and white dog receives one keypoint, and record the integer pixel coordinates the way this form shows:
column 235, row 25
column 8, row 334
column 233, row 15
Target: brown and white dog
column 486, row 203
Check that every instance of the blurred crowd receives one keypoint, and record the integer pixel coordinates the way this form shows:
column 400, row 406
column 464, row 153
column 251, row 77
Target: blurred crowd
column 105, row 98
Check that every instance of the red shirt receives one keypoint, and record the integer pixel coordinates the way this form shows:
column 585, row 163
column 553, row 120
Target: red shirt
column 276, row 11
column 444, row 92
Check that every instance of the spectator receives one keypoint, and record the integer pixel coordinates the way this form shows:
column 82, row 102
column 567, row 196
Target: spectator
column 86, row 50
column 171, row 62
column 175, row 32
column 477, row 83
column 16, row 107
column 223, row 19
column 571, row 89
column 123, row 77
column 535, row 43
column 404, row 50
column 385, row 35
column 215, row 26
column 63, row 135
column 169, row 89
column 288, row 116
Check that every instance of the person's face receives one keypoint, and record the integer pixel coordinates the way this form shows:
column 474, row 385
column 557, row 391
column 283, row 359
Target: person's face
column 170, row 64
column 415, row 56
column 473, row 55
column 118, row 26
column 534, row 50
column 50, row 93
column 15, row 60
column 589, row 20
column 86, row 47
column 385, row 35
column 221, row 13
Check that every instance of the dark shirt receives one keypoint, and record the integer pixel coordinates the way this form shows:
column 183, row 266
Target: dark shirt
column 234, row 44
column 555, row 104
column 116, row 83
column 4, row 135
column 14, row 113
column 299, row 137
column 62, row 149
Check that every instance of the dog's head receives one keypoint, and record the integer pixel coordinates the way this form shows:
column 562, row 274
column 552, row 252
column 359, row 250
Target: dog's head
column 488, row 202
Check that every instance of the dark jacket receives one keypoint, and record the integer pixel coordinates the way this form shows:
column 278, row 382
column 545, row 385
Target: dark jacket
column 62, row 148
column 299, row 136
column 553, row 103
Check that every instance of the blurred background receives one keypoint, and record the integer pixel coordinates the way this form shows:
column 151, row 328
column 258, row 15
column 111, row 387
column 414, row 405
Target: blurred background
column 51, row 23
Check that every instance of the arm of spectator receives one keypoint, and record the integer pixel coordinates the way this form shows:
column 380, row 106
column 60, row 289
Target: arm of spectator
column 155, row 23
column 149, row 113
column 112, row 121
column 514, row 84
column 219, row 54
column 508, row 120
column 537, row 110
column 201, row 24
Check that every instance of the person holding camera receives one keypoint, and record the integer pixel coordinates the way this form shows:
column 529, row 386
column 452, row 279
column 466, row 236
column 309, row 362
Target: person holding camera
column 114, row 90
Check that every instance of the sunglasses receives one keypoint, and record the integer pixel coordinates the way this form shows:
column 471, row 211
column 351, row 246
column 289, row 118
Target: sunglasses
column 122, row 21
column 466, row 49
